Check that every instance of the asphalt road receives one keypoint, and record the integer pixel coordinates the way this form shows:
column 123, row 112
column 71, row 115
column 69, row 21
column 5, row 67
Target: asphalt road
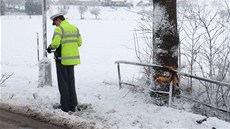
column 9, row 120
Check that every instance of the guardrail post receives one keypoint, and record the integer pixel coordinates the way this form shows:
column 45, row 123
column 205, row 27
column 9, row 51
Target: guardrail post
column 151, row 79
column 119, row 74
column 170, row 93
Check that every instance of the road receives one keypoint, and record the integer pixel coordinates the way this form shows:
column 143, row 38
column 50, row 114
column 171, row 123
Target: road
column 9, row 120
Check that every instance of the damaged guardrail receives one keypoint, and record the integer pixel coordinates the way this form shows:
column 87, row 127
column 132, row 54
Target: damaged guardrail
column 165, row 69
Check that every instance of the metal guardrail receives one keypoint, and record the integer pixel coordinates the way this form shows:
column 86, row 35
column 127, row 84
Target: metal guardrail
column 178, row 72
column 165, row 69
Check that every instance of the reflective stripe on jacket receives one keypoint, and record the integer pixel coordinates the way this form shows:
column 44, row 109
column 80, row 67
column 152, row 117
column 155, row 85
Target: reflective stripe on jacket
column 66, row 40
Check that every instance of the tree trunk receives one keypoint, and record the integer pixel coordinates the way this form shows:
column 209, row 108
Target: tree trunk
column 165, row 35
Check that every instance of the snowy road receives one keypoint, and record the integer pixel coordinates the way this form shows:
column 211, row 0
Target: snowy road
column 9, row 120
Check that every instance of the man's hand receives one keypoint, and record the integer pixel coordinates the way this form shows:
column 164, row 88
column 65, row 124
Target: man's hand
column 49, row 49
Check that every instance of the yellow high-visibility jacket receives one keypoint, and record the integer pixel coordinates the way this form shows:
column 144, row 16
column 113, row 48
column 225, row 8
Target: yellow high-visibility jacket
column 66, row 40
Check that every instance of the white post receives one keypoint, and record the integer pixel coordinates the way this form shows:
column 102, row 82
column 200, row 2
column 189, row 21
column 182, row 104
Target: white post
column 45, row 76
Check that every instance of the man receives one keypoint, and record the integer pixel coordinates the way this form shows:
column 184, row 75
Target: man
column 66, row 40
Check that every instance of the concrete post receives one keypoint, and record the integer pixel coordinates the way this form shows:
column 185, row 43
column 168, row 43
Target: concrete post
column 45, row 76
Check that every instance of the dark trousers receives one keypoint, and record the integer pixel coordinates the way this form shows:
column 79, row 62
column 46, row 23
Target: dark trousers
column 66, row 86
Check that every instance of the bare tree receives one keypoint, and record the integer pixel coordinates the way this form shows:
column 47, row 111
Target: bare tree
column 206, row 45
column 191, row 39
column 95, row 11
column 2, row 7
column 82, row 9
column 143, row 45
column 158, row 30
column 165, row 37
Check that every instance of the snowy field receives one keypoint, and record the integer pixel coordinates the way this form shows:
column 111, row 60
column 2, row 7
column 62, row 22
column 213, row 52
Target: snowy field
column 104, row 41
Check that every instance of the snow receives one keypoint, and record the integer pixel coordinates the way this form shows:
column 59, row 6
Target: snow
column 104, row 42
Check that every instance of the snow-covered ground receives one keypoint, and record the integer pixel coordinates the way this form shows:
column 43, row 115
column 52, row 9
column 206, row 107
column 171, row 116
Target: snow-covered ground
column 104, row 42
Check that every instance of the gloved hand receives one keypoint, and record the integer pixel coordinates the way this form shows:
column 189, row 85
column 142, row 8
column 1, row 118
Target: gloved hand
column 49, row 49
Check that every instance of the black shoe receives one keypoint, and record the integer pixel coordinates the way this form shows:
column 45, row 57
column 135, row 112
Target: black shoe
column 59, row 106
column 72, row 109
column 64, row 110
